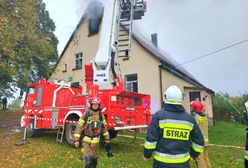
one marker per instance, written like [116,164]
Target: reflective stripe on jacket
[173,136]
[82,126]
[202,122]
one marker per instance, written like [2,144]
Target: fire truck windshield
[30,90]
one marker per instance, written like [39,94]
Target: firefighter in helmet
[202,121]
[173,134]
[91,125]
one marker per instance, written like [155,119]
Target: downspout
[212,101]
[161,85]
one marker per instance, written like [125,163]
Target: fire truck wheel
[112,133]
[69,131]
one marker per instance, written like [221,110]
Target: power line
[211,53]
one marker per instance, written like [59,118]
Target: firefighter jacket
[174,137]
[246,149]
[202,122]
[91,135]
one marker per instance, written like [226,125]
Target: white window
[131,83]
[78,60]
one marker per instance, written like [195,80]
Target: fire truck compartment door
[55,115]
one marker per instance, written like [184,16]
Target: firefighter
[173,134]
[4,102]
[246,149]
[203,160]
[92,124]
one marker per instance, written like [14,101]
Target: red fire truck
[59,104]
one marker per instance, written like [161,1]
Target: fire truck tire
[112,133]
[69,131]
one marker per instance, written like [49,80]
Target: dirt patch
[9,123]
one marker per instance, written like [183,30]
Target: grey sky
[186,29]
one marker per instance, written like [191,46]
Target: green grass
[232,134]
[45,152]
[227,133]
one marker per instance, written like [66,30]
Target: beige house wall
[141,62]
[169,79]
[80,43]
[146,66]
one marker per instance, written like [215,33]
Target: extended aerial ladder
[115,39]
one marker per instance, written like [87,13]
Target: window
[94,26]
[38,98]
[30,90]
[131,83]
[78,61]
[194,95]
[65,68]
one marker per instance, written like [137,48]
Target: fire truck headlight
[22,122]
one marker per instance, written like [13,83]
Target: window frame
[80,57]
[132,88]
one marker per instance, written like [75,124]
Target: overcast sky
[186,29]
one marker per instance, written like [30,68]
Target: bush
[230,108]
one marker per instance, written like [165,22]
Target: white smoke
[90,8]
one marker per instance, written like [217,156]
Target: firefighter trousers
[90,151]
[203,161]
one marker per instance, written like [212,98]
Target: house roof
[167,63]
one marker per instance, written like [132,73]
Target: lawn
[45,152]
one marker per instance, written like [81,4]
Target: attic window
[93,26]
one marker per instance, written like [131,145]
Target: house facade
[148,70]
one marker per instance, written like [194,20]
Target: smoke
[94,9]
[90,8]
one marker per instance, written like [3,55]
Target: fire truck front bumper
[130,127]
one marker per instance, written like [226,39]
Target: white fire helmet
[173,95]
[95,100]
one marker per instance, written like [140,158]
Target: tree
[226,106]
[27,43]
[221,106]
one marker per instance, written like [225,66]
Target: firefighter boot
[88,162]
[94,162]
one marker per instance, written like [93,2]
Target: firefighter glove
[108,150]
